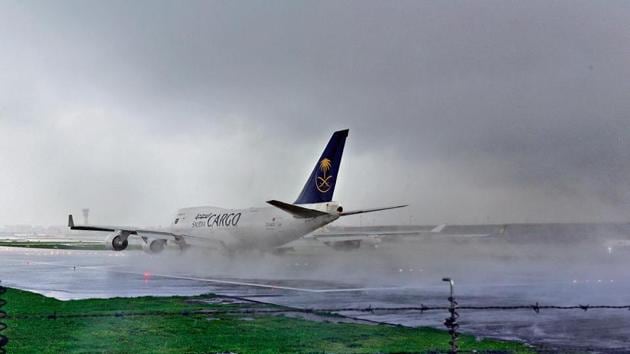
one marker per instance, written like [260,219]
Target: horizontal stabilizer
[297,211]
[361,211]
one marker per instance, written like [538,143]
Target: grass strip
[200,325]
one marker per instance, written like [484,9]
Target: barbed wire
[258,307]
[255,307]
[535,307]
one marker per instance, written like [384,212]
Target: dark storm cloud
[467,110]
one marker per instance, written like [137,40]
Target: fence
[450,322]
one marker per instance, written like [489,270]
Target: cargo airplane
[266,228]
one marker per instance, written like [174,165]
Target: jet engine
[116,242]
[153,246]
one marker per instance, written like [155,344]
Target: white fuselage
[254,228]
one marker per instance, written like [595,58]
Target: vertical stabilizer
[320,186]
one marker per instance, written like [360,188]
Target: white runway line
[258,285]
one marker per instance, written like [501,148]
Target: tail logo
[323,182]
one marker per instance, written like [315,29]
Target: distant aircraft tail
[320,186]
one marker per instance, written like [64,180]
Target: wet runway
[390,276]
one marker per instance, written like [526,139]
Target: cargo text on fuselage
[216,220]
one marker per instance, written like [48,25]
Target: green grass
[29,332]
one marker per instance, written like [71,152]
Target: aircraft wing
[127,229]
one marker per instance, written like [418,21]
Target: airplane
[261,228]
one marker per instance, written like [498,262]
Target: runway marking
[220,281]
[268,286]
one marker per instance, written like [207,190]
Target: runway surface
[390,276]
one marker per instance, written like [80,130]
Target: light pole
[86,215]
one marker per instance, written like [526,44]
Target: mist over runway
[471,112]
[395,274]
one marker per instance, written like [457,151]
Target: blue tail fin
[320,186]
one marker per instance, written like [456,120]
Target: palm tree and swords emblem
[323,182]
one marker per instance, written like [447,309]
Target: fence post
[451,321]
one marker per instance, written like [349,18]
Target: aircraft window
[176,220]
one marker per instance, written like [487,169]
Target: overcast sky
[470,111]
